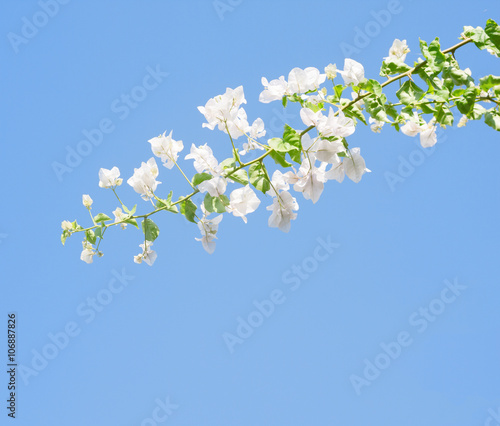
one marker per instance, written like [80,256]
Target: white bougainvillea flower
[257,130]
[166,149]
[398,51]
[208,229]
[66,225]
[215,186]
[428,137]
[242,202]
[304,80]
[273,90]
[147,255]
[311,118]
[144,179]
[355,166]
[279,182]
[336,125]
[224,111]
[309,180]
[326,151]
[463,121]
[376,126]
[86,200]
[353,72]
[204,160]
[283,208]
[119,216]
[331,71]
[413,126]
[109,178]
[337,171]
[87,253]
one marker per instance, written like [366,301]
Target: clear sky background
[158,340]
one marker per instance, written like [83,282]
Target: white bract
[66,225]
[88,253]
[204,160]
[109,178]
[119,216]
[215,186]
[353,72]
[242,202]
[336,124]
[354,165]
[283,208]
[147,255]
[398,51]
[331,71]
[208,229]
[166,148]
[86,200]
[224,111]
[144,179]
[376,126]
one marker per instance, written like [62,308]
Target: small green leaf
[372,86]
[200,177]
[240,176]
[393,67]
[279,158]
[150,230]
[466,102]
[188,209]
[64,236]
[215,204]
[99,231]
[280,145]
[284,101]
[101,217]
[489,81]
[492,119]
[258,177]
[90,236]
[477,112]
[132,222]
[409,93]
[444,115]
[493,31]
[290,136]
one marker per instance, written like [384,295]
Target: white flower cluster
[323,157]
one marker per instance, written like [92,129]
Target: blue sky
[140,345]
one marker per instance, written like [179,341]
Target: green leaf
[166,204]
[291,137]
[99,231]
[444,115]
[65,234]
[409,93]
[492,119]
[284,101]
[432,53]
[132,222]
[477,112]
[489,81]
[258,177]
[393,67]
[200,177]
[280,145]
[101,217]
[441,95]
[338,89]
[240,176]
[150,230]
[466,102]
[372,86]
[215,204]
[493,31]
[188,209]
[375,106]
[279,158]
[228,163]
[354,112]
[90,236]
